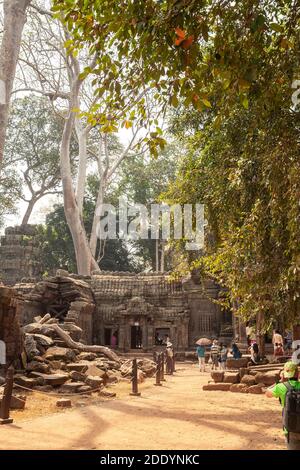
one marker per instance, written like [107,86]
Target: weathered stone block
[77,376]
[217,386]
[25,381]
[248,380]
[95,371]
[236,363]
[71,387]
[53,379]
[78,366]
[63,354]
[85,389]
[36,366]
[267,378]
[239,388]
[87,356]
[231,377]
[64,403]
[94,381]
[217,376]
[256,389]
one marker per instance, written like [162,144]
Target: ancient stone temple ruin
[128,311]
[19,254]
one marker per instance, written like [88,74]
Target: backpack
[291,410]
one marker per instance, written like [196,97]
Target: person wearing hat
[169,358]
[289,374]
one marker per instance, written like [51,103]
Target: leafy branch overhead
[181,50]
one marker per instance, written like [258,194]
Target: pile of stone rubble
[254,379]
[56,361]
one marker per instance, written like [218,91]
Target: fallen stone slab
[64,403]
[78,366]
[28,382]
[77,376]
[53,379]
[243,371]
[37,366]
[231,377]
[43,340]
[257,389]
[217,376]
[217,386]
[267,378]
[239,388]
[248,380]
[237,363]
[58,353]
[87,356]
[95,371]
[71,387]
[94,381]
[85,389]
[57,365]
[16,403]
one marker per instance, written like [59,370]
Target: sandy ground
[178,415]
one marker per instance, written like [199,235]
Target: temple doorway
[136,337]
[160,336]
[107,336]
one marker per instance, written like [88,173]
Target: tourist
[114,340]
[214,354]
[223,356]
[158,340]
[249,332]
[254,352]
[277,341]
[288,341]
[236,353]
[289,381]
[169,358]
[201,357]
[166,339]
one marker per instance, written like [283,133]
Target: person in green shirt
[279,390]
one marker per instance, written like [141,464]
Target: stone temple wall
[64,297]
[19,254]
[138,307]
[126,310]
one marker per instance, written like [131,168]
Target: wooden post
[6,399]
[162,367]
[135,392]
[158,368]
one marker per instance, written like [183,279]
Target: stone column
[150,337]
[144,334]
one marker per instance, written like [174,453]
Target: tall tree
[13,24]
[32,148]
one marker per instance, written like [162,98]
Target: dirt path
[178,415]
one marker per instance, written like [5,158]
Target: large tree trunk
[85,261]
[81,178]
[96,219]
[29,210]
[83,347]
[14,20]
